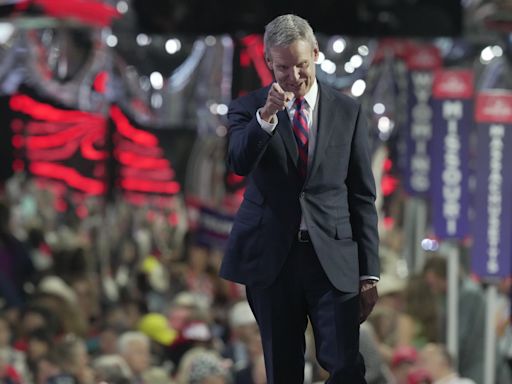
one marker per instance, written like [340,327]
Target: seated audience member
[435,359]
[111,369]
[134,348]
[243,327]
[202,366]
[402,363]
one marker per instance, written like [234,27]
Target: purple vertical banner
[453,117]
[492,229]
[422,61]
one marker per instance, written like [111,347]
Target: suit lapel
[325,126]
[284,128]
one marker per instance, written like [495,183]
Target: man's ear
[316,53]
[269,62]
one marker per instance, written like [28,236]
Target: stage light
[356,61]
[379,108]
[111,41]
[349,68]
[143,39]
[157,80]
[172,46]
[363,50]
[497,51]
[210,40]
[328,67]
[339,45]
[222,109]
[487,55]
[6,31]
[429,245]
[385,125]
[358,87]
[321,58]
[122,7]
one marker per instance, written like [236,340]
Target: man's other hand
[368,297]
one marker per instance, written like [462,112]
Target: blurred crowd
[118,294]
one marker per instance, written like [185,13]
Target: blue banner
[422,61]
[453,118]
[419,134]
[492,227]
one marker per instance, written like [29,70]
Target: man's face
[294,66]
[137,356]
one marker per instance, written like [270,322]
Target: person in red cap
[402,362]
[419,376]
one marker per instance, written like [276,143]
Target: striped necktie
[301,131]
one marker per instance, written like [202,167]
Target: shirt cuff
[267,127]
[366,277]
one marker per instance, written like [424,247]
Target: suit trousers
[301,291]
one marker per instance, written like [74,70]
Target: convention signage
[452,107]
[492,226]
[213,227]
[421,61]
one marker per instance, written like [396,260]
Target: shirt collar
[311,97]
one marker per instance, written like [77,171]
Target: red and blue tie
[301,131]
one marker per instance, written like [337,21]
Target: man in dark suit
[304,241]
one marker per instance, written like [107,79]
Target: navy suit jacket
[337,198]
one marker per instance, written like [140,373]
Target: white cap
[54,285]
[241,314]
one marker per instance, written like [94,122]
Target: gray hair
[129,337]
[111,368]
[284,30]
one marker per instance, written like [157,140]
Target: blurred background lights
[122,7]
[210,40]
[328,67]
[172,46]
[111,41]
[222,109]
[490,52]
[497,51]
[339,45]
[6,31]
[430,245]
[143,39]
[349,68]
[221,131]
[356,61]
[363,50]
[157,80]
[358,87]
[385,124]
[487,54]
[379,108]
[321,58]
